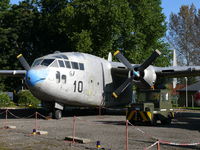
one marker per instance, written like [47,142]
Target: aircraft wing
[177,71]
[168,72]
[14,73]
[118,69]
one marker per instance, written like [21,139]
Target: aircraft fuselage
[74,79]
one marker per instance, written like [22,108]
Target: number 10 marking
[78,84]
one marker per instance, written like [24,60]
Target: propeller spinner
[135,74]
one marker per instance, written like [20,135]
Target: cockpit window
[54,64]
[74,65]
[67,64]
[61,63]
[36,62]
[81,65]
[47,62]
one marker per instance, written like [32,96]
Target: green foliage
[82,41]
[39,27]
[25,98]
[4,4]
[5,100]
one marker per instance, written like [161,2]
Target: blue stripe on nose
[35,76]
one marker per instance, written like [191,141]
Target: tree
[16,30]
[39,27]
[25,98]
[4,4]
[184,31]
[5,100]
[99,27]
[149,28]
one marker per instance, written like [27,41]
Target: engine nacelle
[147,78]
[150,75]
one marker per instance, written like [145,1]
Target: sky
[168,6]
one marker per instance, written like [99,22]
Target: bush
[26,98]
[5,100]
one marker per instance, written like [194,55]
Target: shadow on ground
[30,112]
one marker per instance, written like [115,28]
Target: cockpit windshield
[47,62]
[36,62]
[42,62]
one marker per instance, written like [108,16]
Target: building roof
[191,88]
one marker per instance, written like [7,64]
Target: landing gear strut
[54,109]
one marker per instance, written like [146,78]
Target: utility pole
[186,92]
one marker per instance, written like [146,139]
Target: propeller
[134,74]
[150,60]
[23,61]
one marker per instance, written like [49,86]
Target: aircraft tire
[154,121]
[166,121]
[58,114]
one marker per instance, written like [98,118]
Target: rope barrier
[2,112]
[151,145]
[148,135]
[158,142]
[162,141]
[179,144]
[42,116]
[17,117]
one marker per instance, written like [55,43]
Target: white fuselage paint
[81,87]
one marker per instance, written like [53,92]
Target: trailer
[151,107]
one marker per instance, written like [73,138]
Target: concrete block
[41,132]
[77,139]
[10,127]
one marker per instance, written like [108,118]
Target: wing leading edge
[13,73]
[177,71]
[169,72]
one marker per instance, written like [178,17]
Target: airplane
[80,79]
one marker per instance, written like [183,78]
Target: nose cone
[35,76]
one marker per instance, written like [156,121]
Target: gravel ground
[108,129]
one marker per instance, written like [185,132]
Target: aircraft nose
[35,76]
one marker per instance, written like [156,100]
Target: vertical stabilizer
[174,64]
[110,56]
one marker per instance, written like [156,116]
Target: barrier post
[74,124]
[158,145]
[99,110]
[126,141]
[6,119]
[36,113]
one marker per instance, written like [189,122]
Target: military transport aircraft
[79,79]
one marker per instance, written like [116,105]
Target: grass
[3,148]
[191,108]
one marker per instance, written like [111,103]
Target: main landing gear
[54,109]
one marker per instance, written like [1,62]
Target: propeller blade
[122,59]
[149,61]
[23,62]
[122,87]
